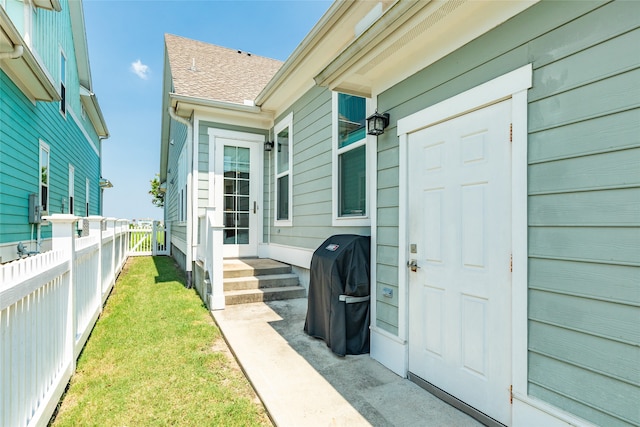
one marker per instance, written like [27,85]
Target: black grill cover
[340,266]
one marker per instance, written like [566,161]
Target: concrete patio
[302,383]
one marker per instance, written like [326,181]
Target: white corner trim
[531,412]
[495,90]
[389,350]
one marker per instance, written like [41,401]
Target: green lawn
[155,358]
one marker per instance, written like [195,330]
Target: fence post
[95,229]
[63,238]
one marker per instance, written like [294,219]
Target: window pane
[353,181]
[243,237]
[243,187]
[351,119]
[283,198]
[282,146]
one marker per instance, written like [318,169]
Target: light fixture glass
[376,123]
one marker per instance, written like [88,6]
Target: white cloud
[140,69]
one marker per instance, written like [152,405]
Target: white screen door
[237,163]
[460,224]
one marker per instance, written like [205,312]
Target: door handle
[255,207]
[413,265]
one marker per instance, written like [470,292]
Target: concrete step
[259,295]
[251,267]
[260,282]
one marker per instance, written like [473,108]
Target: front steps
[255,280]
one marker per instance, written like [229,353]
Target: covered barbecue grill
[338,308]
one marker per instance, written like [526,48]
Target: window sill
[352,221]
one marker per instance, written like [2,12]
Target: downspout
[17,52]
[190,225]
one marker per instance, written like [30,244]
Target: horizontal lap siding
[584,219]
[177,135]
[584,194]
[23,125]
[311,177]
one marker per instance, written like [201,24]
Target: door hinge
[510,132]
[511,263]
[511,394]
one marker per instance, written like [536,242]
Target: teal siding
[24,124]
[584,194]
[311,175]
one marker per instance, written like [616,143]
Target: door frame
[513,85]
[216,186]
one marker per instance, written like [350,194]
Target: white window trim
[279,127]
[44,146]
[71,197]
[181,186]
[63,81]
[87,195]
[368,141]
[513,85]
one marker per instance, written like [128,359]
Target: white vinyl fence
[49,304]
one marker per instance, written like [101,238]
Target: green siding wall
[24,124]
[584,194]
[311,175]
[203,155]
[177,135]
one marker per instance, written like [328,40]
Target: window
[44,177]
[284,157]
[63,84]
[72,178]
[350,158]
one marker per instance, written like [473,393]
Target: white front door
[460,238]
[237,167]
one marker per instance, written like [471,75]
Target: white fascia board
[225,112]
[408,40]
[334,31]
[91,106]
[25,71]
[80,43]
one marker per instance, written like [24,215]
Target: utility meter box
[35,213]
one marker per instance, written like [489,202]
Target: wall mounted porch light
[268,146]
[376,123]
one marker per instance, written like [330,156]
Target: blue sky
[126,48]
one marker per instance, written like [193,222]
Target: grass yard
[156,358]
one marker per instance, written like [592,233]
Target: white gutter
[213,103]
[17,52]
[192,212]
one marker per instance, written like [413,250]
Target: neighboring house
[503,199]
[51,126]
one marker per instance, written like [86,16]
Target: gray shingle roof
[208,71]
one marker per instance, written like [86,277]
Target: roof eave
[80,44]
[25,71]
[92,107]
[386,53]
[48,4]
[304,49]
